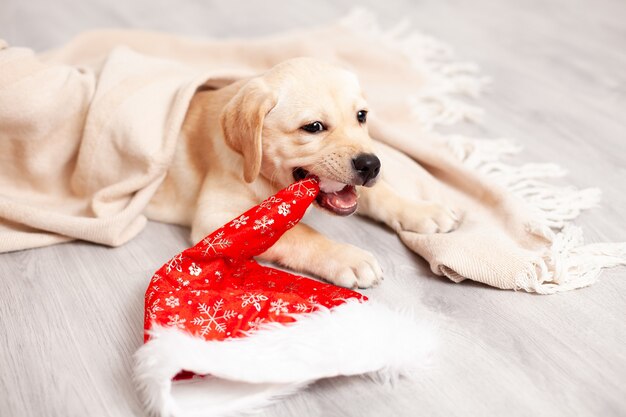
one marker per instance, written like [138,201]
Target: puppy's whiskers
[332,170]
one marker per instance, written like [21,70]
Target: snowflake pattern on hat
[215,290]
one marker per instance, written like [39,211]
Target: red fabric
[215,290]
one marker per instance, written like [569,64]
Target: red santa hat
[225,335]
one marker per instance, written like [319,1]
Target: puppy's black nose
[367,165]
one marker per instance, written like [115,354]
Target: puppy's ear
[242,123]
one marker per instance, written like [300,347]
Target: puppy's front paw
[351,267]
[427,218]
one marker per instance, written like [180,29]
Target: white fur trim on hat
[249,372]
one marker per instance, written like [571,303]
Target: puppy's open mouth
[336,197]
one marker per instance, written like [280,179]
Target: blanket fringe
[435,105]
[568,263]
[553,205]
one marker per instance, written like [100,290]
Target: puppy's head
[304,117]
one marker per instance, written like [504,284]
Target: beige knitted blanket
[87,132]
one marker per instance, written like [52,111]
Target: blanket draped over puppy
[87,133]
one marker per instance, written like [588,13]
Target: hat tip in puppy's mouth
[334,196]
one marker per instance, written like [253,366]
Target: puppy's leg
[301,249]
[383,204]
[304,249]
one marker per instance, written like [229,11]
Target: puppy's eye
[361,116]
[314,127]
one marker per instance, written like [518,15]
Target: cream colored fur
[241,142]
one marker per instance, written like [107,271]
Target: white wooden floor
[71,315]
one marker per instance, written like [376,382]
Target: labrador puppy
[244,141]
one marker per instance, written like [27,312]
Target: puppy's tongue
[342,202]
